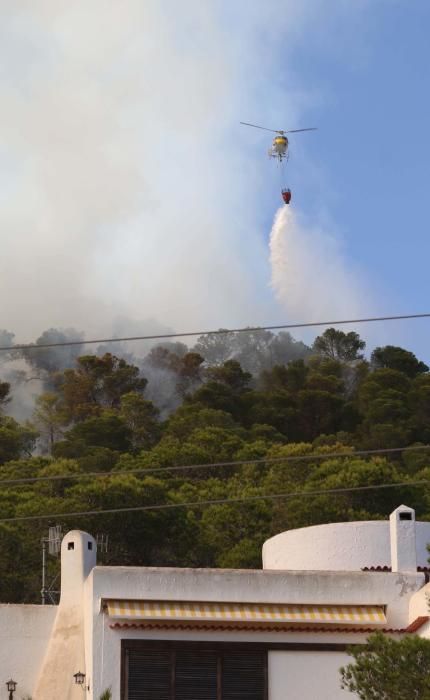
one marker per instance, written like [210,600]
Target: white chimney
[402,539]
[66,650]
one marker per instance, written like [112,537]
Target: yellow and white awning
[171,611]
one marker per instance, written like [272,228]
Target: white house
[221,634]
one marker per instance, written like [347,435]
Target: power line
[222,331]
[235,463]
[215,501]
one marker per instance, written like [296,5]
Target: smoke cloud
[127,188]
[26,385]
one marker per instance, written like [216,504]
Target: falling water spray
[310,277]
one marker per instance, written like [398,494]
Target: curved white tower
[400,543]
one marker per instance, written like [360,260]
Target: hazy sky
[128,188]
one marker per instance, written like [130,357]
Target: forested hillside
[259,399]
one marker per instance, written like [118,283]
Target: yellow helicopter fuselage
[279,147]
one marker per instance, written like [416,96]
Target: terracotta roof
[416,624]
[420,569]
[171,624]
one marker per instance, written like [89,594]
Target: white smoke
[311,277]
[127,186]
[26,386]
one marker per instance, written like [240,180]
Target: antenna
[52,546]
[54,540]
[102,541]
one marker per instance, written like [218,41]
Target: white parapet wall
[352,546]
[25,631]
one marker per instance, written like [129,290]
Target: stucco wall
[308,676]
[255,586]
[338,547]
[24,635]
[393,590]
[287,670]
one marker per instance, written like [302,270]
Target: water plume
[310,275]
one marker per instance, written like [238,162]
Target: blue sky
[374,145]
[131,192]
[366,171]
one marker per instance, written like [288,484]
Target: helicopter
[279,148]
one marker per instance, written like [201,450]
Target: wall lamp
[80,680]
[11,686]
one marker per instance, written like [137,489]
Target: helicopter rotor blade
[256,126]
[295,131]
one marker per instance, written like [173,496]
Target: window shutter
[244,675]
[192,672]
[149,674]
[196,675]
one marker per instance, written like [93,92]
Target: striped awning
[255,613]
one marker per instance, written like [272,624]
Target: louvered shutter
[149,673]
[187,672]
[196,675]
[244,675]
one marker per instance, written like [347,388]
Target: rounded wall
[338,547]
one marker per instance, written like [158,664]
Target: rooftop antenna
[102,541]
[50,545]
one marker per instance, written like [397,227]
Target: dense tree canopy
[386,669]
[236,416]
[98,383]
[337,345]
[392,357]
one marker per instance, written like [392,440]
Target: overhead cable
[214,501]
[234,463]
[221,331]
